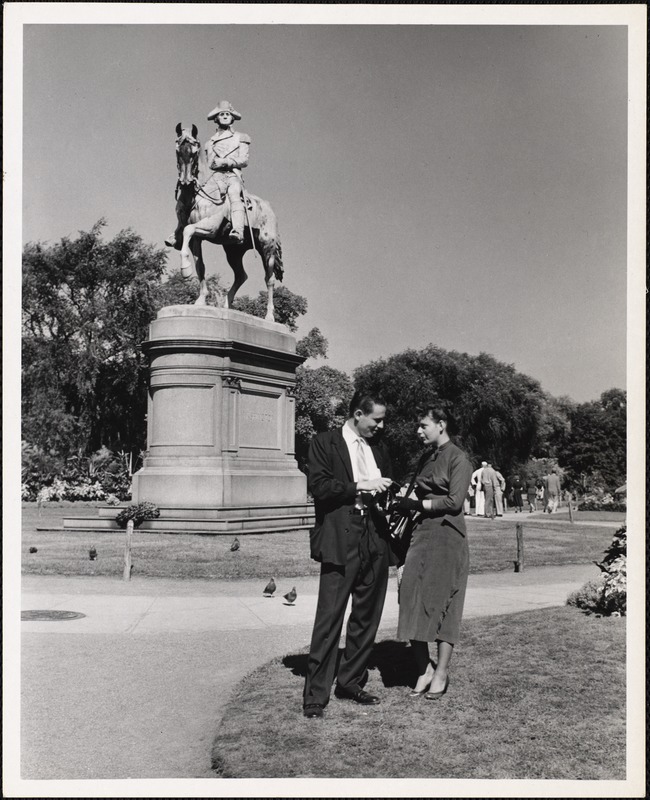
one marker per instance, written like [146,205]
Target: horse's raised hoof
[235,237]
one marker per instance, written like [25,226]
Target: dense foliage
[608,594]
[595,448]
[496,409]
[322,398]
[86,308]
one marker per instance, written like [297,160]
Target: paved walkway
[137,686]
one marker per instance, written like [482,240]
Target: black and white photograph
[324,390]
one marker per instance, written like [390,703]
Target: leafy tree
[496,409]
[554,426]
[180,291]
[87,305]
[322,398]
[288,306]
[313,345]
[595,451]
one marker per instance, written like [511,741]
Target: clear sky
[461,185]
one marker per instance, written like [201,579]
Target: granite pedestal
[220,426]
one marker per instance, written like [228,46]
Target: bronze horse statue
[203,213]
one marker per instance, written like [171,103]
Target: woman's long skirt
[434,580]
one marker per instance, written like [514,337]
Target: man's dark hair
[365,402]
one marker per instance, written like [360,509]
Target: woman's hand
[406,504]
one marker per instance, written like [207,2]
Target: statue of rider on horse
[219,209]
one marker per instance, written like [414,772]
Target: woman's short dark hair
[365,401]
[438,412]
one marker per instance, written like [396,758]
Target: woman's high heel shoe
[437,695]
[413,693]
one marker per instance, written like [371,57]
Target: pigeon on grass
[235,545]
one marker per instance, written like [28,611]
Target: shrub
[64,490]
[138,512]
[607,595]
[600,500]
[46,478]
[589,596]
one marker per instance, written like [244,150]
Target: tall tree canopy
[87,304]
[595,450]
[497,410]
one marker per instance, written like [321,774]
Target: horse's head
[187,154]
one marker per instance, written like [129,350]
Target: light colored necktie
[362,464]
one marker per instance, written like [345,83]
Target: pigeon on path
[291,596]
[270,588]
[235,545]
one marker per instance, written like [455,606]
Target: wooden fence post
[570,511]
[127,551]
[519,563]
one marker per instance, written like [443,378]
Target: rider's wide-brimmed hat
[223,105]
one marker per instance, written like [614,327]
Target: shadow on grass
[522,710]
[392,659]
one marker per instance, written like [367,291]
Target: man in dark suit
[348,468]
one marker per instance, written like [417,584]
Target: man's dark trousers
[365,576]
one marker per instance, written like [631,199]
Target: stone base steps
[227,521]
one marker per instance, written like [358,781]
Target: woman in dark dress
[432,591]
[531,494]
[517,499]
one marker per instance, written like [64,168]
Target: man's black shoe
[358,695]
[313,710]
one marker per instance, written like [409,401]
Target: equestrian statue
[218,209]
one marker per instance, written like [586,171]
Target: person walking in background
[539,497]
[490,484]
[531,494]
[432,592]
[479,497]
[517,499]
[499,491]
[545,494]
[554,490]
[347,466]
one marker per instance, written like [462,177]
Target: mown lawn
[492,546]
[535,695]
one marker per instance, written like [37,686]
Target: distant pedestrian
[531,494]
[554,491]
[479,497]
[499,492]
[517,499]
[490,484]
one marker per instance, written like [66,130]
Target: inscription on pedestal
[259,420]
